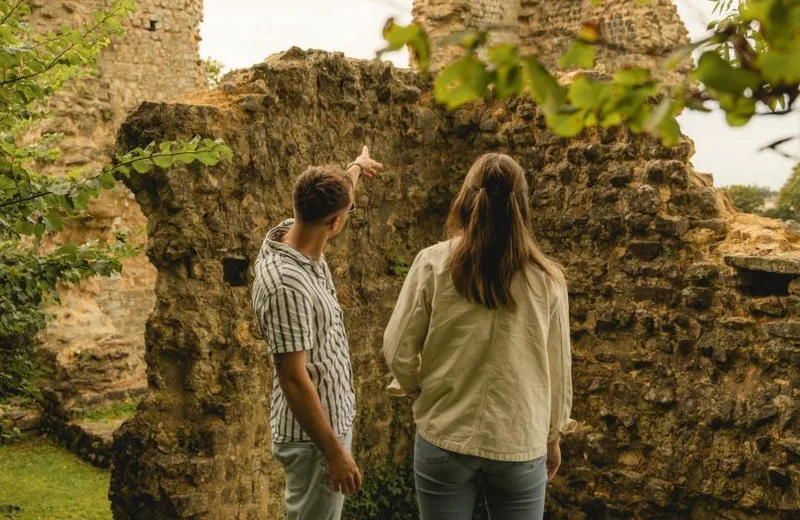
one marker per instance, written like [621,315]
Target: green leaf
[208,158]
[413,36]
[579,55]
[508,77]
[565,125]
[658,115]
[670,132]
[54,221]
[469,39]
[186,158]
[587,94]
[81,200]
[107,180]
[462,81]
[544,87]
[632,77]
[23,227]
[143,165]
[718,74]
[505,55]
[738,111]
[781,67]
[163,161]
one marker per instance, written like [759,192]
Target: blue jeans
[447,485]
[308,487]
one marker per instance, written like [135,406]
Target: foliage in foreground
[34,208]
[749,65]
[41,481]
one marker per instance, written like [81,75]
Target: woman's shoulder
[538,277]
[435,254]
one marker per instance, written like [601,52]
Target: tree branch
[96,176]
[8,15]
[60,55]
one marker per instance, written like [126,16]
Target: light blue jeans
[308,487]
[447,485]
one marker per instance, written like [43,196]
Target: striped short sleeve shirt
[297,309]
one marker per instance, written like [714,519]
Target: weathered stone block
[702,273]
[698,297]
[672,226]
[644,249]
[770,306]
[784,329]
[657,294]
[779,264]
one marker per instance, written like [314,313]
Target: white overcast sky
[243,32]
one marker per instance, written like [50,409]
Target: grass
[47,482]
[116,410]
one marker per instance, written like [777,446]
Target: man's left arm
[364,164]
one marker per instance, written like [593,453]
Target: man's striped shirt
[297,309]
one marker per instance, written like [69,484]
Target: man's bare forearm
[306,406]
[355,173]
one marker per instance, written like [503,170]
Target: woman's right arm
[560,359]
[408,327]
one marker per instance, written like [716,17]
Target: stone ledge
[769,264]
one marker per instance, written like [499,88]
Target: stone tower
[633,33]
[96,343]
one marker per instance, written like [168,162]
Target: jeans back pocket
[430,453]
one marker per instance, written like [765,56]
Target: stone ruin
[685,313]
[95,346]
[632,33]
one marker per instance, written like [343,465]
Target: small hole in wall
[153,25]
[234,271]
[761,283]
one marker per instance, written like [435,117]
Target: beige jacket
[494,383]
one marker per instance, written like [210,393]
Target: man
[295,303]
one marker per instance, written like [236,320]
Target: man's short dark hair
[321,192]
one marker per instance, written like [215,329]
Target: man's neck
[307,240]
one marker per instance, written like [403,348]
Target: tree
[748,66]
[213,69]
[34,207]
[749,199]
[788,207]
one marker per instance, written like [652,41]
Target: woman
[480,333]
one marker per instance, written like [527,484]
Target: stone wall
[96,343]
[633,33]
[685,315]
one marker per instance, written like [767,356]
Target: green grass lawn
[47,482]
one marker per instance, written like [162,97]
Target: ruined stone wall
[685,315]
[633,33]
[443,18]
[96,343]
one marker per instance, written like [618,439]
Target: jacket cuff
[568,426]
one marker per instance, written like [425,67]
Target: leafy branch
[207,151]
[748,66]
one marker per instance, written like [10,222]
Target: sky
[240,33]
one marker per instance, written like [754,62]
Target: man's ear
[334,224]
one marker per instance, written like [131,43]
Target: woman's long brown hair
[490,217]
